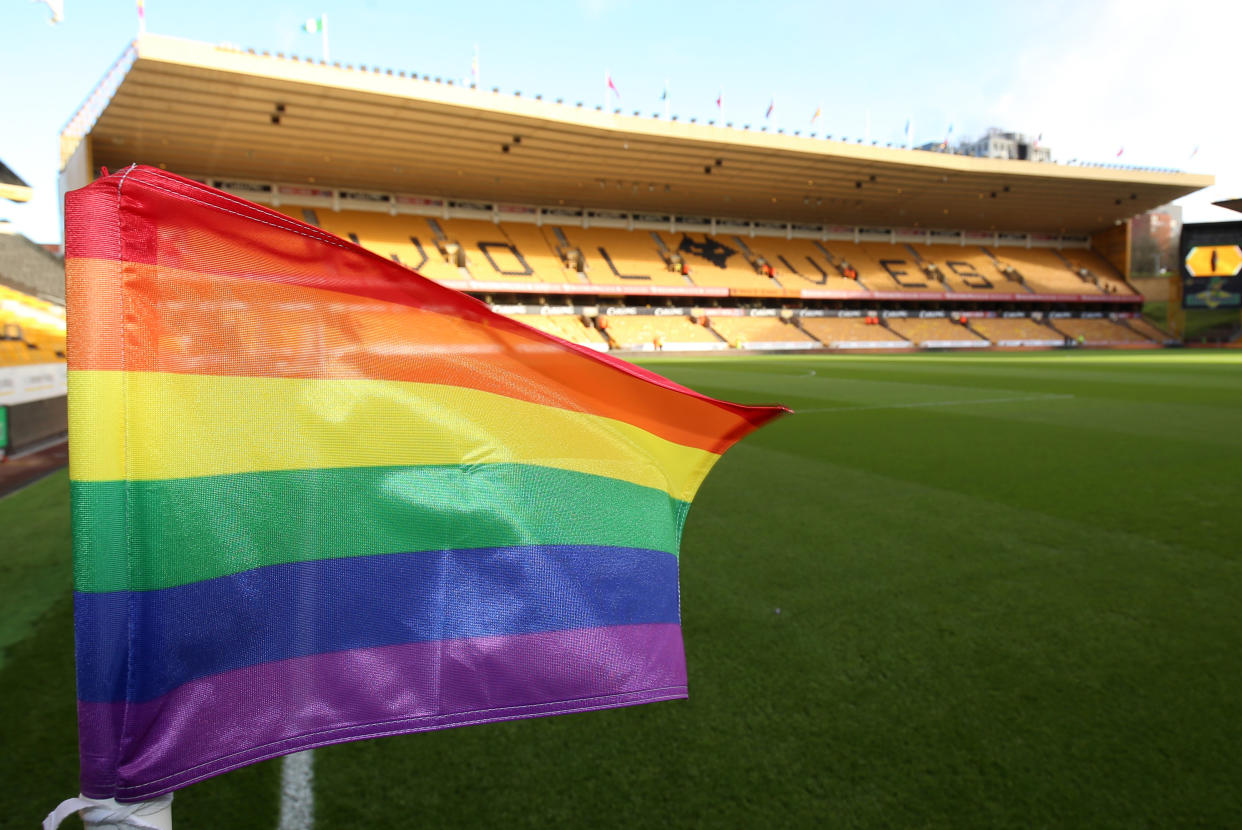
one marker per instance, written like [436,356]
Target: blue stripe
[304,608]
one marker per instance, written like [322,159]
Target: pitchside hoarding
[1211,261]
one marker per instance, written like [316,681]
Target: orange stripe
[184,322]
[93,313]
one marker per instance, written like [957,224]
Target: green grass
[1200,322]
[36,567]
[994,590]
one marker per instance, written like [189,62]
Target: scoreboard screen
[1211,261]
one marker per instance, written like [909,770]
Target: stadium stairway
[1015,332]
[762,333]
[801,263]
[1011,277]
[851,332]
[1099,332]
[1100,272]
[651,332]
[936,332]
[1149,330]
[969,325]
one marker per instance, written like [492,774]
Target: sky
[1152,80]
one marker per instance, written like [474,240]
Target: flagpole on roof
[320,25]
[57,8]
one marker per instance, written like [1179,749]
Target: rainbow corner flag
[319,498]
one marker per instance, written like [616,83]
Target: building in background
[998,144]
[1153,240]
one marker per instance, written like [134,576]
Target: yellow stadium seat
[851,332]
[33,329]
[1045,272]
[1100,268]
[1099,332]
[528,253]
[642,331]
[565,326]
[491,255]
[743,332]
[933,331]
[533,243]
[405,239]
[966,268]
[1016,331]
[620,257]
[800,263]
[715,261]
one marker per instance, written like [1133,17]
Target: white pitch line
[920,404]
[297,791]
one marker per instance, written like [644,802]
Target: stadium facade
[32,346]
[640,231]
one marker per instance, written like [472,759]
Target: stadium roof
[31,268]
[12,187]
[218,111]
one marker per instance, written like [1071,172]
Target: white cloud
[1149,77]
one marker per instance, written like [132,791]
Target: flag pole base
[110,814]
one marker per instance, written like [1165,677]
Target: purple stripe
[219,723]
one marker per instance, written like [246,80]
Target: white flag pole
[109,814]
[323,31]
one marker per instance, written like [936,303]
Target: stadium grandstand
[635,232]
[32,346]
[12,186]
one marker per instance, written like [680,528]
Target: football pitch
[967,590]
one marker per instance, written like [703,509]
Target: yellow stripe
[182,426]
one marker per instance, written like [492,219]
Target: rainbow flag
[318,498]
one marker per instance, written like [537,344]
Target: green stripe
[186,530]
